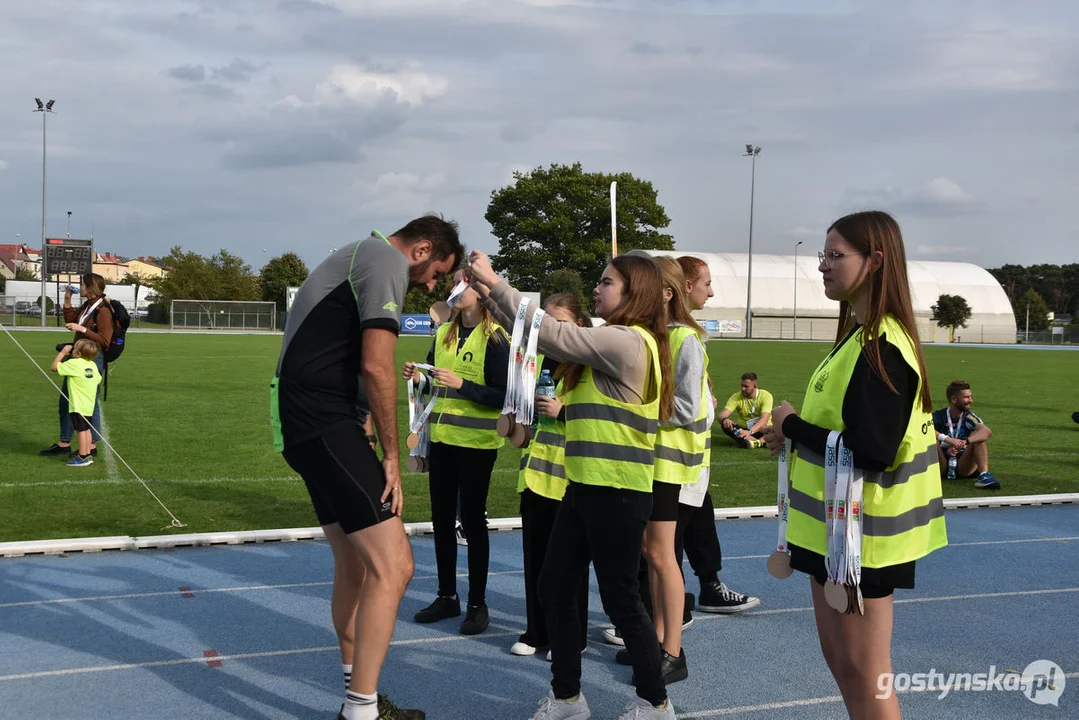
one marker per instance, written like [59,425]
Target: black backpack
[121,321]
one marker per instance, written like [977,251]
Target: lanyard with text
[419,438]
[953,430]
[526,392]
[88,312]
[516,360]
[779,562]
[843,488]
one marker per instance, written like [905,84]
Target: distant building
[146,267]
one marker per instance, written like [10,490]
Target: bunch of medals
[421,401]
[843,487]
[518,410]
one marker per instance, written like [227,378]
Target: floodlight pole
[44,109]
[796,288]
[751,152]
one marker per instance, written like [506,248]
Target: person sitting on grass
[752,408]
[959,430]
[82,377]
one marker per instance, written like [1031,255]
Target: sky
[264,126]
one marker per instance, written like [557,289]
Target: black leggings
[465,473]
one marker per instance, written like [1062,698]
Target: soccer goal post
[223,315]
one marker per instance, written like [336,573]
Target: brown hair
[678,307]
[888,286]
[643,305]
[750,376]
[956,387]
[85,348]
[94,283]
[491,329]
[691,267]
[570,302]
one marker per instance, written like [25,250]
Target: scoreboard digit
[68,256]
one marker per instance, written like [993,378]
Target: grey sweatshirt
[617,354]
[688,371]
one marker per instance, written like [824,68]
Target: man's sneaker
[461,539]
[986,481]
[440,609]
[522,649]
[388,710]
[80,461]
[476,620]
[93,453]
[55,449]
[716,597]
[673,669]
[552,709]
[611,636]
[641,709]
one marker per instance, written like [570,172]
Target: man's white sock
[347,670]
[360,707]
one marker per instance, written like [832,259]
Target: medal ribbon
[783,496]
[526,392]
[516,359]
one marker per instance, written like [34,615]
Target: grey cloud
[516,132]
[238,70]
[213,91]
[645,48]
[194,73]
[307,7]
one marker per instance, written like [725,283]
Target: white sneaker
[461,539]
[551,709]
[611,637]
[522,649]
[641,709]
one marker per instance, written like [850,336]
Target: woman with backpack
[92,320]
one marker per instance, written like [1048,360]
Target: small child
[81,386]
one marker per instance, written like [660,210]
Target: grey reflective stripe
[545,437]
[679,456]
[524,461]
[884,479]
[698,426]
[875,525]
[547,468]
[451,394]
[608,451]
[609,413]
[472,423]
[708,443]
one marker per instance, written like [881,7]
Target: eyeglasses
[828,259]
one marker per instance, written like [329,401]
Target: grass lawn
[189,413]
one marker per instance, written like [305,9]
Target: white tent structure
[776,279]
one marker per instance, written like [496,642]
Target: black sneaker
[673,669]
[93,452]
[388,710]
[476,620]
[440,609]
[716,597]
[56,449]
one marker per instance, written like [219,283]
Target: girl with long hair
[873,389]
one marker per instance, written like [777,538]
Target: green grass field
[190,414]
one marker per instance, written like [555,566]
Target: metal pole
[43,303]
[749,276]
[1026,339]
[796,288]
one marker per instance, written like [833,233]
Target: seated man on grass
[962,439]
[747,413]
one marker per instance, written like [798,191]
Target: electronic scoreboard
[68,256]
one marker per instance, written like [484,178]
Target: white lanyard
[88,312]
[455,295]
[831,507]
[526,391]
[843,487]
[779,562]
[416,420]
[516,359]
[953,430]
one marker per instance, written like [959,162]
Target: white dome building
[776,279]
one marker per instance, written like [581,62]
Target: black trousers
[537,520]
[696,533]
[465,474]
[604,525]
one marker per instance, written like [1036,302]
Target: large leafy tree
[560,217]
[278,275]
[222,276]
[565,280]
[951,311]
[1039,311]
[419,301]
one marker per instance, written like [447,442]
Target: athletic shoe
[641,709]
[440,609]
[716,597]
[93,452]
[476,620]
[611,636]
[461,539]
[80,461]
[673,669]
[986,481]
[522,649]
[549,654]
[388,710]
[1075,416]
[552,709]
[55,449]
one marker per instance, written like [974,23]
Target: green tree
[279,274]
[565,280]
[191,276]
[559,217]
[1039,311]
[419,301]
[951,311]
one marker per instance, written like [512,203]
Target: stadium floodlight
[751,152]
[44,109]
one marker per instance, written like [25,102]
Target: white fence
[223,315]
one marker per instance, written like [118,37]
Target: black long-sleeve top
[493,393]
[875,416]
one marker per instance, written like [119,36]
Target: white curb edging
[244,537]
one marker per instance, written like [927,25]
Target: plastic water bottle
[545,388]
[953,463]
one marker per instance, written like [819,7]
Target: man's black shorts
[344,478]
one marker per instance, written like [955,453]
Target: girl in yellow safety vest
[873,388]
[618,388]
[542,483]
[470,355]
